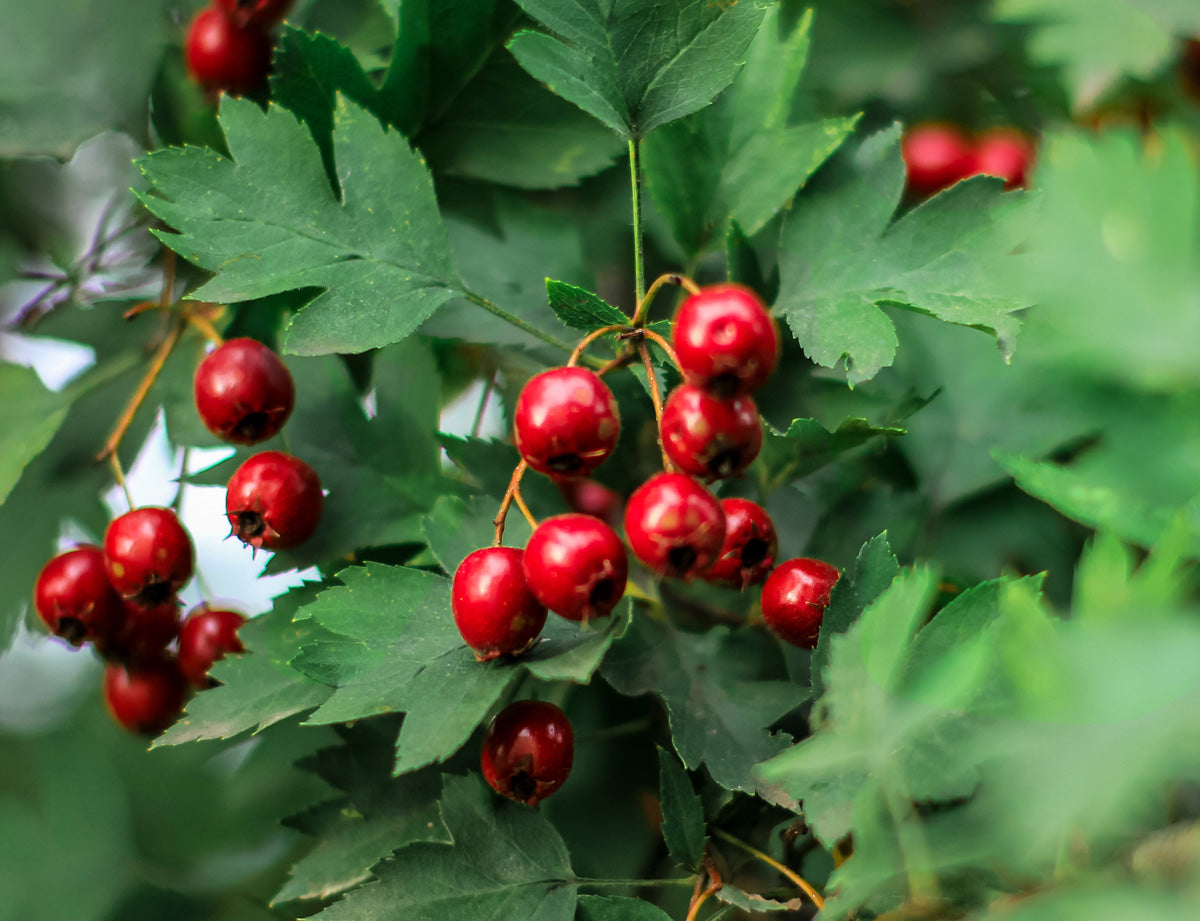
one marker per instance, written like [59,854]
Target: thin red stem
[514,486]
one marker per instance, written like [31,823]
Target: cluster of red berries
[123,598]
[228,45]
[566,423]
[937,155]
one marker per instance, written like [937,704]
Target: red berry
[589,497]
[148,555]
[566,422]
[274,501]
[221,55]
[244,393]
[576,566]
[494,609]
[794,598]
[141,633]
[935,157]
[750,546]
[1006,153]
[261,13]
[73,595]
[146,698]
[708,437]
[674,525]
[206,636]
[726,340]
[528,750]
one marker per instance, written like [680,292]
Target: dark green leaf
[807,446]
[637,64]
[683,813]
[580,309]
[617,908]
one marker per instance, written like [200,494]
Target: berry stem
[656,398]
[662,344]
[514,486]
[516,321]
[589,339]
[703,897]
[139,395]
[520,500]
[791,874]
[119,476]
[206,328]
[639,253]
[671,278]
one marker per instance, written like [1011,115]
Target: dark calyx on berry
[494,609]
[148,555]
[528,750]
[674,525]
[576,566]
[274,501]
[710,437]
[244,393]
[566,422]
[73,596]
[748,552]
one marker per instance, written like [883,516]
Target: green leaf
[749,901]
[506,861]
[740,159]
[637,64]
[29,418]
[267,222]
[683,813]
[580,309]
[807,446]
[618,908]
[717,692]
[567,651]
[841,260]
[1098,43]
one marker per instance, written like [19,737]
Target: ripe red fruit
[576,566]
[708,437]
[244,392]
[140,634]
[935,157]
[589,497]
[566,422]
[1006,153]
[146,698]
[148,555]
[726,340]
[261,13]
[675,525]
[794,598]
[206,636]
[73,596]
[274,501]
[528,750]
[221,55]
[750,546]
[494,609]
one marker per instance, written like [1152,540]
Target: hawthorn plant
[820,538]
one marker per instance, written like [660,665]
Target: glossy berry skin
[494,610]
[244,392]
[794,598]
[207,634]
[528,749]
[674,525]
[142,633]
[260,13]
[576,566]
[750,546]
[726,340]
[221,55]
[73,596]
[708,437]
[1006,153]
[146,698]
[566,422]
[274,501]
[148,555]
[588,497]
[935,157]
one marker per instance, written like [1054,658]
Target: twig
[119,475]
[589,339]
[139,395]
[513,486]
[656,397]
[662,344]
[791,874]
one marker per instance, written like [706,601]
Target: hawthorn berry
[145,698]
[566,422]
[528,749]
[148,555]
[576,566]
[935,157]
[260,13]
[726,340]
[223,55]
[674,525]
[708,437]
[73,595]
[750,546]
[141,633]
[1006,153]
[589,497]
[274,501]
[794,599]
[244,392]
[494,609]
[207,634]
